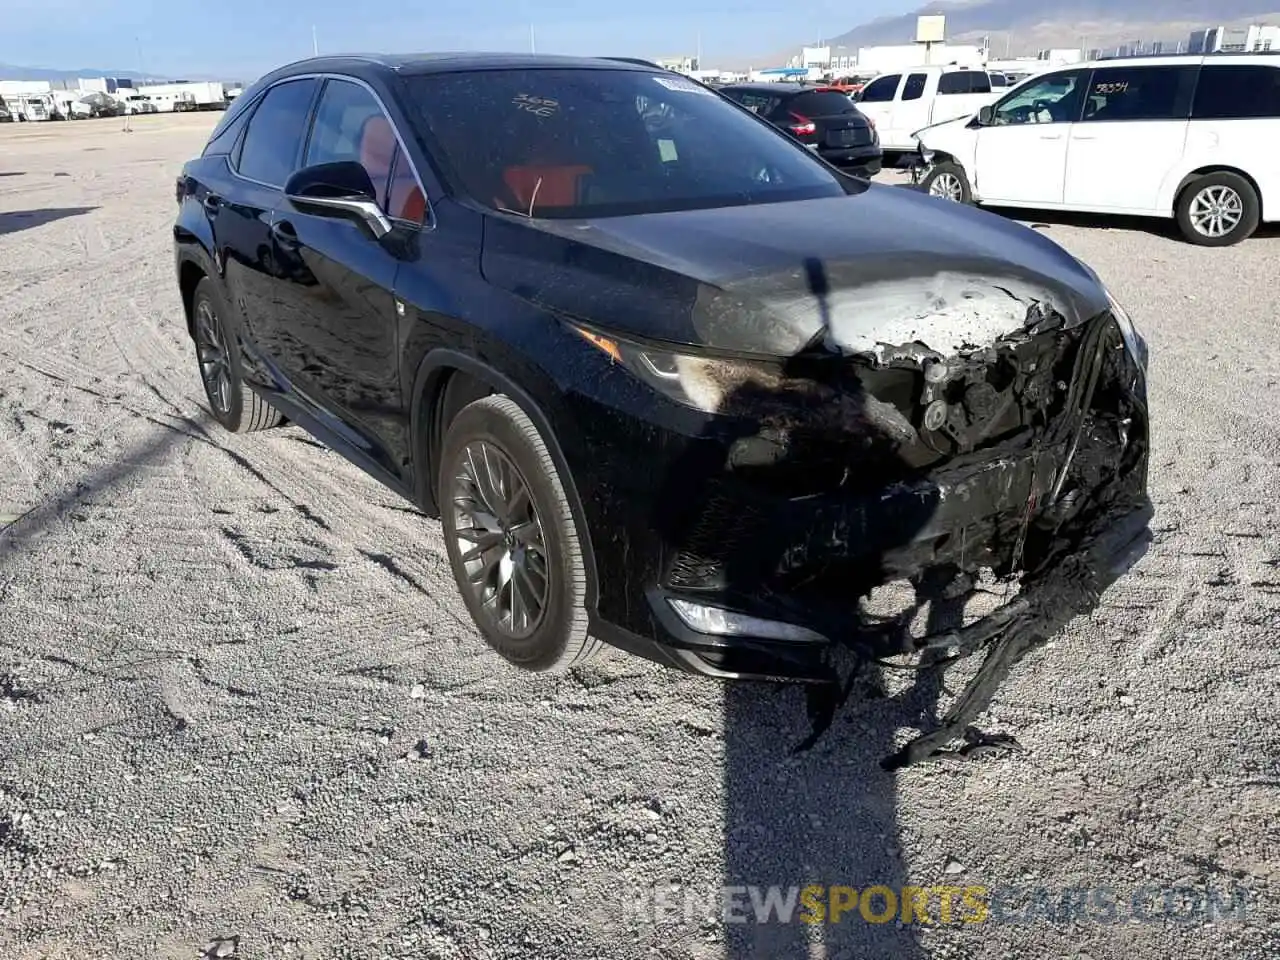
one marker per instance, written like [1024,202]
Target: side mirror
[340,189]
[986,116]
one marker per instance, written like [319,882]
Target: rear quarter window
[759,103]
[225,134]
[822,104]
[1237,92]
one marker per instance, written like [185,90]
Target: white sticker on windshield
[682,85]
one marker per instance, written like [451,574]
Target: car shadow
[1156,226]
[824,822]
[811,828]
[17,220]
[1091,221]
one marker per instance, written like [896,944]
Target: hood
[884,268]
[945,125]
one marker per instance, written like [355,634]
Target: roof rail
[1171,56]
[636,60]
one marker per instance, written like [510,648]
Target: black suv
[824,119]
[668,380]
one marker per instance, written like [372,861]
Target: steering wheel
[1044,106]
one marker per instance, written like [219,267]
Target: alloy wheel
[947,186]
[1216,211]
[215,361]
[500,540]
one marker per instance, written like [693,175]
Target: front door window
[1052,99]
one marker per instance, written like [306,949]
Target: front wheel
[1218,210]
[511,537]
[947,181]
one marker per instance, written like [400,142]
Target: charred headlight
[1133,340]
[701,382]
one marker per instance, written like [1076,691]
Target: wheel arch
[1207,169]
[190,274]
[446,380]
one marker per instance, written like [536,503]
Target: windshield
[573,143]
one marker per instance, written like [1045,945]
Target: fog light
[719,622]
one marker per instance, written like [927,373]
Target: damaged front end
[1015,465]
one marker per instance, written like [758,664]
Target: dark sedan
[824,119]
[668,381]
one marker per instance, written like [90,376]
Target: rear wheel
[947,181]
[233,404]
[1218,210]
[512,541]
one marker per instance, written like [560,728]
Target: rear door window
[880,90]
[758,103]
[1234,92]
[273,140]
[913,89]
[964,81]
[822,103]
[1139,93]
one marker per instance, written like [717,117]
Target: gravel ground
[242,710]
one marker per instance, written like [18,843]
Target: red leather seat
[559,184]
[377,150]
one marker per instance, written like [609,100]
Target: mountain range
[1025,26]
[9,71]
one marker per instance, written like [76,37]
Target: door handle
[1050,136]
[1084,136]
[285,235]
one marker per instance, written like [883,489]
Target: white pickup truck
[904,102]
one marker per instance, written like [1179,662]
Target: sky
[239,39]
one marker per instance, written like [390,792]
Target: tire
[947,181]
[235,406]
[493,437]
[1228,193]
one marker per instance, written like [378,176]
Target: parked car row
[1193,138]
[902,103]
[824,119]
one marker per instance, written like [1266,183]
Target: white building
[679,64]
[815,58]
[872,60]
[1060,57]
[1255,38]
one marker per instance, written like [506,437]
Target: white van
[901,103]
[1193,137]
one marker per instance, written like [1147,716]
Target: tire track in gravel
[103,275]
